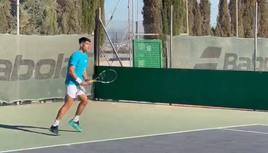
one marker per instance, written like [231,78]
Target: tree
[88,13]
[31,16]
[102,34]
[248,17]
[152,17]
[5,16]
[205,14]
[49,24]
[191,16]
[197,29]
[98,29]
[71,18]
[263,18]
[232,10]
[78,16]
[223,27]
[194,17]
[241,8]
[179,16]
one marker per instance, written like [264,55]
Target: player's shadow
[27,128]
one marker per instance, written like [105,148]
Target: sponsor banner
[34,67]
[219,53]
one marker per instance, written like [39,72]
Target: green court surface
[26,126]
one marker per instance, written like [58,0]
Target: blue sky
[214,11]
[121,13]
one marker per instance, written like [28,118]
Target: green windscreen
[147,53]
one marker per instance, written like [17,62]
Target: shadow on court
[30,129]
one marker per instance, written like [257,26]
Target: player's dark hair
[83,39]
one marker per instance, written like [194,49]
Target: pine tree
[102,34]
[92,23]
[78,16]
[166,16]
[263,18]
[71,19]
[49,24]
[88,13]
[179,16]
[205,14]
[232,10]
[5,16]
[50,16]
[223,27]
[248,17]
[197,29]
[31,16]
[152,17]
[241,8]
[60,11]
[191,16]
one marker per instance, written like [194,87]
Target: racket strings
[107,76]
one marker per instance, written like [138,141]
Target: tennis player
[75,78]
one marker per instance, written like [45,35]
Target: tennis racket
[105,77]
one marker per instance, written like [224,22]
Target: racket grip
[83,89]
[92,81]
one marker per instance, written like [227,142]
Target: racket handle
[92,81]
[83,89]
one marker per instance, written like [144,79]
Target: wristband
[78,80]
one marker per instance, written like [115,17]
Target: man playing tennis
[75,78]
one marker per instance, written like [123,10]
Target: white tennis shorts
[73,91]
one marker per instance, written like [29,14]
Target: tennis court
[130,127]
[208,58]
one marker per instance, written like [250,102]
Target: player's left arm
[87,79]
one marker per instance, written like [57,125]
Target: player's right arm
[74,59]
[73,75]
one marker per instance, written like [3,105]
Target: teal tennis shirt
[80,61]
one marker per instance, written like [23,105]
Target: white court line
[246,131]
[263,124]
[132,137]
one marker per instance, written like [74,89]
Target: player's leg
[82,105]
[68,102]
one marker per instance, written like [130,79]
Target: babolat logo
[25,69]
[230,61]
[209,53]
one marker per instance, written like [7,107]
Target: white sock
[76,118]
[56,123]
